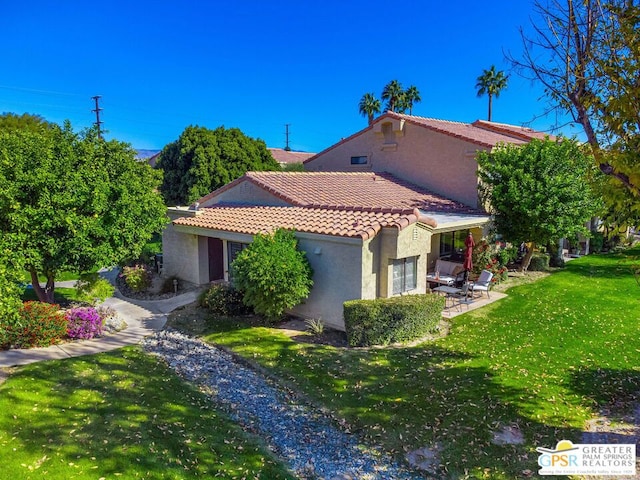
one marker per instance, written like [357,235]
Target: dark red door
[216,261]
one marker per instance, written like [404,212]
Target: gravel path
[309,443]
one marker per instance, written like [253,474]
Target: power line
[96,98]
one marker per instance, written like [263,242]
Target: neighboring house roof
[336,222]
[357,190]
[283,156]
[483,133]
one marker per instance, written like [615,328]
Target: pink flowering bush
[83,322]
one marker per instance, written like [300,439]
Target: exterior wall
[337,277]
[246,193]
[438,162]
[413,241]
[183,256]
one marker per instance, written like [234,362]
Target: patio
[478,302]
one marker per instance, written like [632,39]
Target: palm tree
[392,93]
[411,96]
[369,106]
[491,83]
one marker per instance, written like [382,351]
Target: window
[452,243]
[233,249]
[404,274]
[362,160]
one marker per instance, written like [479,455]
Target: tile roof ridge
[432,119]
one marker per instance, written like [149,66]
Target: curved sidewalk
[142,317]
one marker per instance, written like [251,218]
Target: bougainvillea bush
[490,257]
[83,322]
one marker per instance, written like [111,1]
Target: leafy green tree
[26,121]
[10,289]
[369,106]
[72,202]
[412,96]
[491,83]
[394,95]
[273,273]
[537,193]
[586,55]
[202,160]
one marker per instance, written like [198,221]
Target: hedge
[388,320]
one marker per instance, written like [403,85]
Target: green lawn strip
[60,277]
[62,295]
[545,359]
[121,414]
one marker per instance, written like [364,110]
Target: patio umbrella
[468,262]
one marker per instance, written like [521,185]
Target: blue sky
[257,65]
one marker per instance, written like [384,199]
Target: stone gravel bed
[310,443]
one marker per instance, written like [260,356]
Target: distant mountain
[144,154]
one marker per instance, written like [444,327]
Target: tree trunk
[490,101]
[46,293]
[527,258]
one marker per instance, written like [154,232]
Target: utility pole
[97,110]
[287,147]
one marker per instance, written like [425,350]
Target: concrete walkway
[142,317]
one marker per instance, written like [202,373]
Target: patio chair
[483,284]
[465,294]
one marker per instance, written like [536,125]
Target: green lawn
[62,295]
[545,359]
[119,415]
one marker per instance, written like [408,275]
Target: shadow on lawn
[119,413]
[615,390]
[404,399]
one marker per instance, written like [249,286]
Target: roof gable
[481,132]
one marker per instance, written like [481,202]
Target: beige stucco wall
[246,193]
[184,256]
[337,277]
[440,163]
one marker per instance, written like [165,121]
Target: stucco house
[438,155]
[373,213]
[365,234]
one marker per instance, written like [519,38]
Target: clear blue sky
[256,65]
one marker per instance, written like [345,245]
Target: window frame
[408,283]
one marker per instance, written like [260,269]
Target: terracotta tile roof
[357,190]
[283,156]
[466,131]
[336,222]
[482,133]
[524,133]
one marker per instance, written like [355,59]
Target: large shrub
[91,288]
[224,300]
[137,277]
[388,320]
[494,258]
[273,273]
[39,325]
[83,322]
[539,262]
